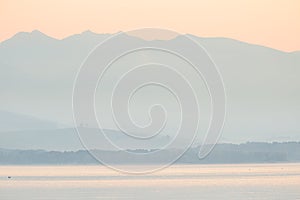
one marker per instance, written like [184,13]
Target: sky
[272,23]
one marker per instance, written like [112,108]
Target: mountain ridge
[36,33]
[262,84]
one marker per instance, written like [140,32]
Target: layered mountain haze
[67,139]
[38,73]
[11,122]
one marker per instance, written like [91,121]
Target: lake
[234,182]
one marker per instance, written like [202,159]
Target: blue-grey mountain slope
[262,84]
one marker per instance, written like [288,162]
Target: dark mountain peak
[86,36]
[35,34]
[29,38]
[88,32]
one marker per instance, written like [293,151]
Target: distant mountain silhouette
[19,122]
[67,139]
[262,84]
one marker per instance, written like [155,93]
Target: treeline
[251,152]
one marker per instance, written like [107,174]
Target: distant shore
[251,152]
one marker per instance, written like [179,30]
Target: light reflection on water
[247,181]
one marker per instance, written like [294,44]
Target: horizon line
[92,32]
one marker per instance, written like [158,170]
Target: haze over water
[244,181]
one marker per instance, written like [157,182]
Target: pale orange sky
[272,23]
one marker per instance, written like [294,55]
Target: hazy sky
[273,23]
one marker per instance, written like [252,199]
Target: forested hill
[223,153]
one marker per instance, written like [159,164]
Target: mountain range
[38,72]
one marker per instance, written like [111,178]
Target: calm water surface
[248,181]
